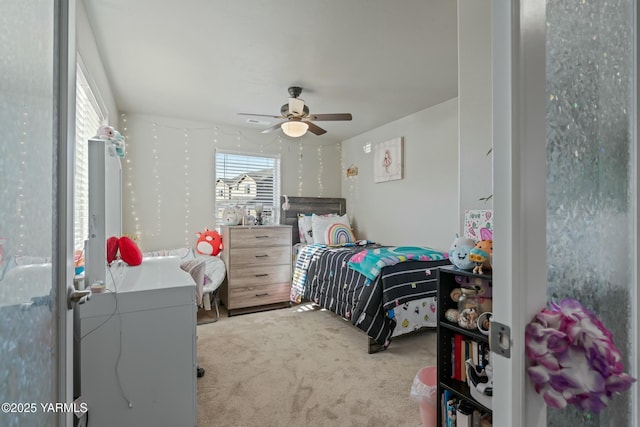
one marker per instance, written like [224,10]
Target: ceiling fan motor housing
[289,110]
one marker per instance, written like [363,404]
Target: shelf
[455,270]
[461,390]
[449,279]
[475,335]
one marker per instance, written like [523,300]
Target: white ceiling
[208,60]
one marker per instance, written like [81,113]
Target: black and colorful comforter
[323,276]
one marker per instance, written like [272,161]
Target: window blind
[89,117]
[244,180]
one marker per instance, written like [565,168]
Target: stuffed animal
[481,255]
[118,142]
[128,249]
[209,242]
[459,253]
[110,134]
[232,215]
[106,132]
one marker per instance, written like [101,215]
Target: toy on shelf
[481,256]
[109,133]
[460,251]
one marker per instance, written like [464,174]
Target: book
[464,414]
[457,357]
[476,417]
[451,409]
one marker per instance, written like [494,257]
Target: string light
[300,170]
[156,175]
[132,193]
[320,171]
[20,200]
[187,184]
[241,141]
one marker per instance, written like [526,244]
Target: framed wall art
[387,160]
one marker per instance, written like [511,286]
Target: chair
[210,295]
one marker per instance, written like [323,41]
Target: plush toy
[209,242]
[481,255]
[78,261]
[232,215]
[459,253]
[118,142]
[106,132]
[128,249]
[468,318]
[110,134]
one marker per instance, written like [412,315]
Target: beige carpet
[305,367]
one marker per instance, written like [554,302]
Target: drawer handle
[263,295]
[262,237]
[262,275]
[262,256]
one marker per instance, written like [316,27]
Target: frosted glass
[27,157]
[589,209]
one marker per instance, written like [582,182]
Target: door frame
[519,179]
[64,134]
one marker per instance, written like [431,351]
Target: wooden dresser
[258,260]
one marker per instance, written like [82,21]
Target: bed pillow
[305,231]
[304,228]
[339,234]
[319,225]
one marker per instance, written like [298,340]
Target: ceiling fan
[297,119]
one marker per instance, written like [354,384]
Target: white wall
[168,178]
[421,209]
[475,104]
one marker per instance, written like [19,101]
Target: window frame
[84,82]
[270,208]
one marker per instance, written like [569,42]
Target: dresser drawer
[246,257]
[260,237]
[258,295]
[259,275]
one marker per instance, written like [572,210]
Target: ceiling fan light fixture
[294,129]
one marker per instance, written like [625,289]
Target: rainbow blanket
[370,262]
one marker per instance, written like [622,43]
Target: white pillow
[304,228]
[319,225]
[305,232]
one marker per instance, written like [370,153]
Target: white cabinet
[138,347]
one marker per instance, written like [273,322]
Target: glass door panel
[590,208]
[28,316]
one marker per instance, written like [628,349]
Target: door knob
[77,297]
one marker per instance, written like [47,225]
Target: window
[246,179]
[89,117]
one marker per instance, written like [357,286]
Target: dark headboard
[309,205]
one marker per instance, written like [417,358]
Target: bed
[398,299]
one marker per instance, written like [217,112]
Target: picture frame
[388,160]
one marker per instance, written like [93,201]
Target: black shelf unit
[446,331]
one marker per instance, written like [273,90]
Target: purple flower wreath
[574,360]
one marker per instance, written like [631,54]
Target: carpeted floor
[305,367]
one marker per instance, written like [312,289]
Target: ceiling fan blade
[315,129]
[272,128]
[330,117]
[261,115]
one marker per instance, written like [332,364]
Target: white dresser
[258,260]
[138,351]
